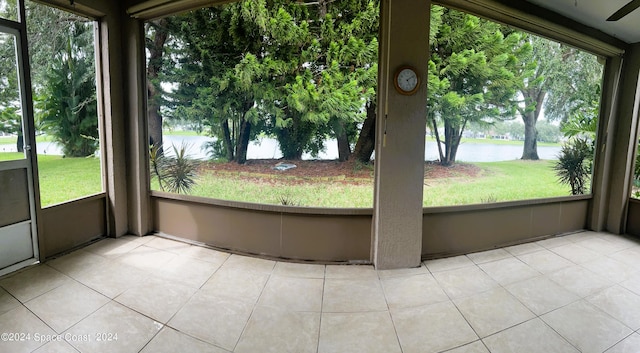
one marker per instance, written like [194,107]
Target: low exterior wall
[65,226]
[344,235]
[296,233]
[463,229]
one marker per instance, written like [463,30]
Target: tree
[157,33]
[472,76]
[10,112]
[67,102]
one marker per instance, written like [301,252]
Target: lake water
[268,148]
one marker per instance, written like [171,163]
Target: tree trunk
[154,93]
[367,139]
[530,151]
[243,142]
[530,118]
[339,130]
[438,142]
[20,142]
[228,144]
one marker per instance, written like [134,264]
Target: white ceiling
[594,13]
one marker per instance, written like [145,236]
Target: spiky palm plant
[571,167]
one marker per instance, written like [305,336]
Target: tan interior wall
[633,218]
[71,224]
[267,232]
[450,232]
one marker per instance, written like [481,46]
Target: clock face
[407,80]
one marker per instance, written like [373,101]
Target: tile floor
[577,293]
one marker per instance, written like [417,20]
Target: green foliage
[67,103]
[571,167]
[472,75]
[176,174]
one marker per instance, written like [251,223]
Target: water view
[268,148]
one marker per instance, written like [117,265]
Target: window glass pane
[511,116]
[276,99]
[9,10]
[11,136]
[61,48]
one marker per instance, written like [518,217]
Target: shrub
[572,167]
[175,174]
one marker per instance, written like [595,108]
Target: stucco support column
[137,136]
[400,136]
[622,134]
[110,86]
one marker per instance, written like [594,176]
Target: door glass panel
[11,136]
[9,10]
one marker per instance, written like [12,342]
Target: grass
[497,182]
[64,179]
[8,140]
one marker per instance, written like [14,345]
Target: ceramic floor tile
[138,239]
[77,262]
[602,246]
[533,336]
[448,263]
[611,269]
[410,291]
[216,320]
[357,332]
[431,328]
[628,345]
[402,272]
[620,303]
[66,305]
[114,328]
[146,258]
[508,271]
[580,281]
[293,294]
[167,244]
[26,325]
[576,253]
[633,283]
[204,254]
[56,347]
[475,347]
[586,327]
[7,301]
[541,295]
[186,270]
[353,295]
[630,256]
[350,271]
[624,241]
[522,249]
[112,279]
[464,281]
[172,341]
[545,261]
[279,331]
[288,269]
[236,284]
[249,264]
[28,284]
[157,298]
[493,311]
[553,242]
[111,247]
[489,255]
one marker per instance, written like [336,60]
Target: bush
[175,174]
[572,166]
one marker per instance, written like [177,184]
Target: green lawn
[497,181]
[64,179]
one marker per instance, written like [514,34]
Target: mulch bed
[325,170]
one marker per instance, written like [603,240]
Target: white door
[18,237]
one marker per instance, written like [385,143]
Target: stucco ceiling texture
[594,13]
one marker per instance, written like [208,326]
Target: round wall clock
[406,80]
